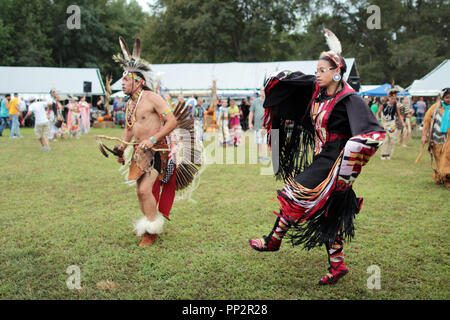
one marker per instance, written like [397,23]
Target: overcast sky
[144,5]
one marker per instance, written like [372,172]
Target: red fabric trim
[267,123]
[335,136]
[270,85]
[168,195]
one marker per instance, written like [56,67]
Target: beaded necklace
[131,111]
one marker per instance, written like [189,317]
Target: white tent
[433,82]
[118,94]
[231,78]
[39,80]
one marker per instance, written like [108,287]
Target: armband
[165,113]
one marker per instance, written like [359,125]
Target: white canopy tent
[233,78]
[433,82]
[37,81]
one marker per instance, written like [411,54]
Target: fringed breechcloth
[165,185]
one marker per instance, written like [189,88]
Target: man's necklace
[131,113]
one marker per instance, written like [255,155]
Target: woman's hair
[445,92]
[333,64]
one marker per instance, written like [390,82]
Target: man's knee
[144,193]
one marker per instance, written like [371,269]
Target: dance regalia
[235,125]
[436,125]
[85,117]
[319,144]
[175,157]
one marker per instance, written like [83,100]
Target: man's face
[261,92]
[200,101]
[129,85]
[392,99]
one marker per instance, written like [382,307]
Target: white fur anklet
[143,225]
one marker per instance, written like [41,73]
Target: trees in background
[413,37]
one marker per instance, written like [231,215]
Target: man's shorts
[261,136]
[42,130]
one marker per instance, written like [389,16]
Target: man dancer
[436,130]
[149,121]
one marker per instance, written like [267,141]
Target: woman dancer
[324,133]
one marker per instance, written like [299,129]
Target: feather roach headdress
[132,63]
[335,52]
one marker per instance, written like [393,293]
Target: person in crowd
[436,132]
[41,122]
[222,123]
[374,106]
[255,122]
[204,105]
[4,114]
[119,113]
[115,102]
[101,103]
[14,116]
[421,109]
[58,124]
[85,116]
[388,114]
[22,111]
[74,117]
[199,119]
[234,115]
[245,109]
[404,134]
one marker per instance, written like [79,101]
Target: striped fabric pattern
[357,152]
[299,203]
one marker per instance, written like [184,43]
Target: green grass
[69,207]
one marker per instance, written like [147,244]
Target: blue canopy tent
[382,91]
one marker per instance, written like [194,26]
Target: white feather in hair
[333,42]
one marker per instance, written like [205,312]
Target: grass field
[69,207]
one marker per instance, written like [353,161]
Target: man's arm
[250,117]
[426,123]
[170,122]
[380,109]
[399,115]
[26,116]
